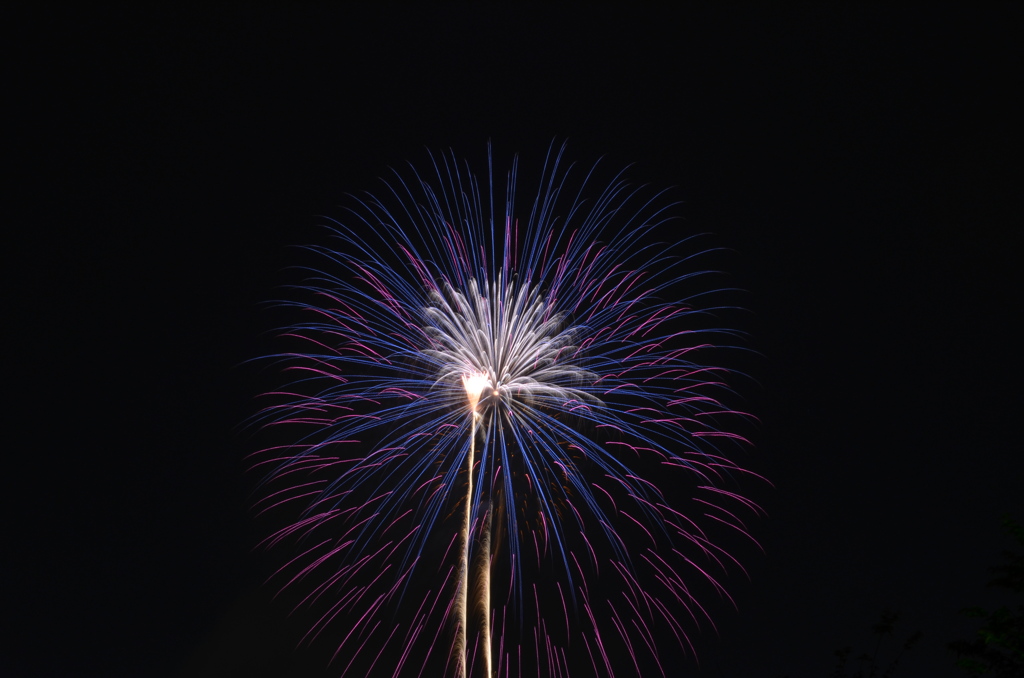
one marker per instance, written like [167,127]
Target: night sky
[862,167]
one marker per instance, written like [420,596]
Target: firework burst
[507,445]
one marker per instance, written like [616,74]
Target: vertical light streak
[475,384]
[462,643]
[485,591]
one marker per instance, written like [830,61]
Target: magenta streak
[563,661]
[367,351]
[738,529]
[634,278]
[511,579]
[737,469]
[712,580]
[501,641]
[614,506]
[614,534]
[623,325]
[278,571]
[719,434]
[289,394]
[536,649]
[364,466]
[675,312]
[336,610]
[689,467]
[278,536]
[680,634]
[590,653]
[329,349]
[692,399]
[413,630]
[686,374]
[649,504]
[472,658]
[307,464]
[583,577]
[675,421]
[267,450]
[451,652]
[634,586]
[617,621]
[611,296]
[650,644]
[684,517]
[416,264]
[284,501]
[392,523]
[403,392]
[349,310]
[356,654]
[699,543]
[655,319]
[544,259]
[597,639]
[579,516]
[455,537]
[674,586]
[287,489]
[544,524]
[377,658]
[564,608]
[294,460]
[615,442]
[586,276]
[623,385]
[315,594]
[436,490]
[306,469]
[673,577]
[743,500]
[720,550]
[357,525]
[410,640]
[428,481]
[711,413]
[646,482]
[578,449]
[641,525]
[645,632]
[596,305]
[547,648]
[564,260]
[440,627]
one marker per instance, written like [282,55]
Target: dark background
[863,165]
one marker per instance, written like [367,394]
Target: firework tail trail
[484,604]
[474,385]
[594,396]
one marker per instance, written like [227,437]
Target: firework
[507,443]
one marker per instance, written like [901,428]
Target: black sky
[863,165]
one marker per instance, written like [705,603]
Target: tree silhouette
[871,665]
[998,648]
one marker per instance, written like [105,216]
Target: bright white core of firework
[505,346]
